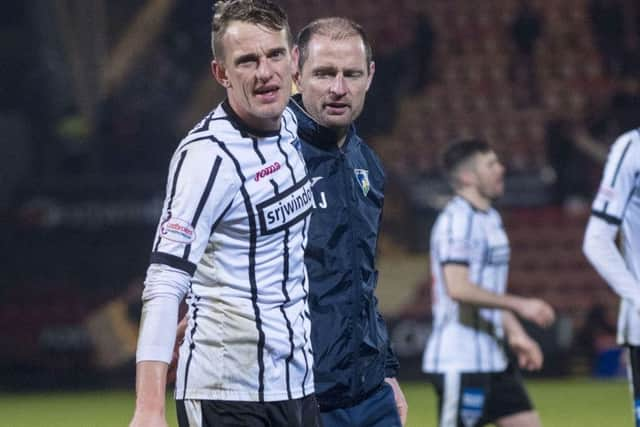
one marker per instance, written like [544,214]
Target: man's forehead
[325,49]
[248,36]
[486,156]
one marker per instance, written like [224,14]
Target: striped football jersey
[466,338]
[618,203]
[236,215]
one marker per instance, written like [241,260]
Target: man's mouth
[336,107]
[267,93]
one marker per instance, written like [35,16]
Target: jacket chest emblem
[362,176]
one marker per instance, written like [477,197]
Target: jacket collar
[314,133]
[242,127]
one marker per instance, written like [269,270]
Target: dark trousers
[379,410]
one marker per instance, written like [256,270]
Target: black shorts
[634,378]
[477,399]
[303,412]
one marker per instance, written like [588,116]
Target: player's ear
[464,177]
[372,70]
[295,57]
[220,73]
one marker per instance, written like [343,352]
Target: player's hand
[401,402]
[528,352]
[537,311]
[173,366]
[148,419]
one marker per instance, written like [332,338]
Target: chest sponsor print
[284,210]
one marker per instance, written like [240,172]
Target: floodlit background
[96,94]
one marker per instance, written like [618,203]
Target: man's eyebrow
[248,57]
[325,69]
[276,51]
[254,57]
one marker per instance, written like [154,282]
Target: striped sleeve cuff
[173,261]
[455,262]
[606,217]
[153,353]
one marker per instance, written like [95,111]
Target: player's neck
[476,199]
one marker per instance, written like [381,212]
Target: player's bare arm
[150,394]
[528,351]
[464,291]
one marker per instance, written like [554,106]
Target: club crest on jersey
[362,175]
[177,230]
[284,210]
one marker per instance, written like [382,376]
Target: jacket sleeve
[391,363]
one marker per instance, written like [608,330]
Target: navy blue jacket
[352,353]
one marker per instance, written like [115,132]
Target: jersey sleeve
[600,249]
[202,183]
[453,243]
[618,179]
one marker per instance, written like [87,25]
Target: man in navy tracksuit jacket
[354,365]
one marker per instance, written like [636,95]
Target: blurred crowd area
[107,88]
[95,96]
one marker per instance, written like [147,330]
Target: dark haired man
[231,238]
[474,317]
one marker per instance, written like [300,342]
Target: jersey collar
[244,128]
[473,207]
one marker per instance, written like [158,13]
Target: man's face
[334,80]
[256,70]
[488,175]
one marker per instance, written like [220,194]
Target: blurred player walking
[474,317]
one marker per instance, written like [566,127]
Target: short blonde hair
[259,12]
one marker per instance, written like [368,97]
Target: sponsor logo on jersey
[177,230]
[362,175]
[267,171]
[498,255]
[472,406]
[286,209]
[607,193]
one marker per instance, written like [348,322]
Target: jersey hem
[243,396]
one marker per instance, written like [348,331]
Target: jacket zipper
[356,384]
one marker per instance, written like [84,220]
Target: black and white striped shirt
[618,204]
[235,217]
[467,338]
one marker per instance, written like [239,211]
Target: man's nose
[339,86]
[265,70]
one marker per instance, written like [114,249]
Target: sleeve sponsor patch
[177,230]
[606,193]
